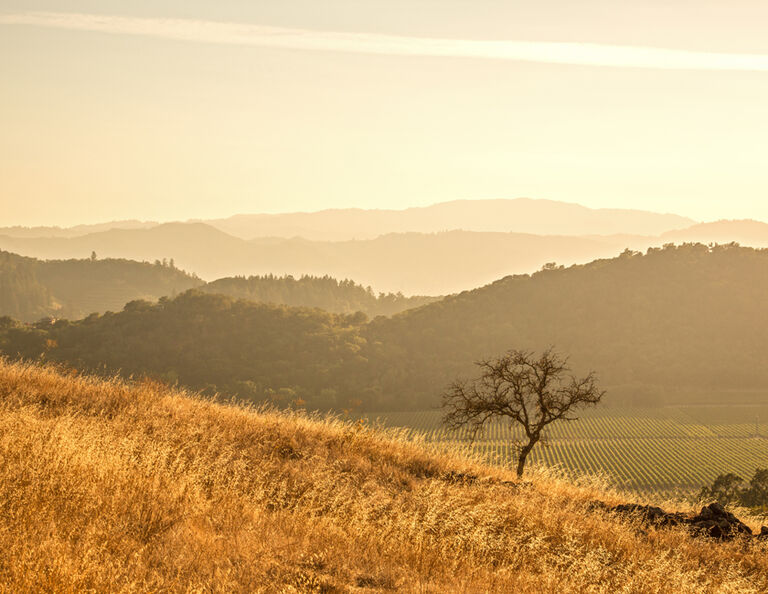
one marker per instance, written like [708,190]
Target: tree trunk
[524,451]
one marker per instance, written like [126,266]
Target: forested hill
[687,323]
[678,324]
[325,292]
[210,342]
[31,289]
[22,296]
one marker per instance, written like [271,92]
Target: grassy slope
[104,486]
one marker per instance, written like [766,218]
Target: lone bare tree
[531,391]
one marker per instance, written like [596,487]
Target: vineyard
[671,450]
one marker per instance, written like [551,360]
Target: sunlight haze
[170,111]
[384,296]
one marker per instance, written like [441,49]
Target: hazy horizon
[354,295]
[164,111]
[278,212]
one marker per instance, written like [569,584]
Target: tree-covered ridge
[31,289]
[22,296]
[209,342]
[94,285]
[325,292]
[683,324]
[672,325]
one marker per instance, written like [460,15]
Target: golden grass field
[110,487]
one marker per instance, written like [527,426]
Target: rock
[715,521]
[763,533]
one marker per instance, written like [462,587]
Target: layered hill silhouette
[414,263]
[74,231]
[520,215]
[746,232]
[32,289]
[678,325]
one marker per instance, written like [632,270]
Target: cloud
[591,54]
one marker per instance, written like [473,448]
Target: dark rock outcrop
[715,521]
[712,521]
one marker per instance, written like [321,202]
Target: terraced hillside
[670,450]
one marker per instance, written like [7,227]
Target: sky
[179,109]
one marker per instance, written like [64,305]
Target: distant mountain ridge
[744,231]
[75,231]
[520,215]
[419,262]
[411,263]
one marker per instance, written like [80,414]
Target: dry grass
[108,487]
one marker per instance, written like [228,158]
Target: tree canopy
[730,488]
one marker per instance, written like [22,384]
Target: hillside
[31,289]
[22,296]
[324,292]
[675,325]
[211,342]
[82,287]
[112,487]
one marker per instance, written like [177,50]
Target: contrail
[590,54]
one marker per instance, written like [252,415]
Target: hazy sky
[176,109]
